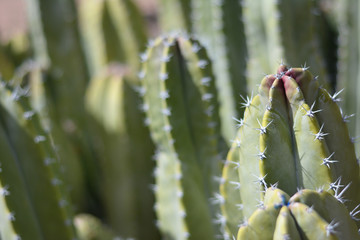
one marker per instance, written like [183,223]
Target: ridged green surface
[292,135]
[126,165]
[306,215]
[281,31]
[177,75]
[31,172]
[218,26]
[111,30]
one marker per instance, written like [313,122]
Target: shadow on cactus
[294,135]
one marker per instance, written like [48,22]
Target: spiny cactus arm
[90,15]
[17,217]
[38,164]
[286,226]
[275,196]
[251,180]
[260,225]
[275,133]
[341,144]
[311,224]
[129,30]
[330,209]
[175,15]
[179,185]
[231,204]
[218,26]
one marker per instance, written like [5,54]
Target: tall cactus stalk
[177,75]
[218,26]
[280,30]
[30,172]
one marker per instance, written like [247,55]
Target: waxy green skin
[30,172]
[292,135]
[180,100]
[306,215]
[218,26]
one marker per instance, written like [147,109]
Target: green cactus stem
[126,164]
[111,30]
[35,203]
[275,31]
[182,109]
[293,135]
[306,215]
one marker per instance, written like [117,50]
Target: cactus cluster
[293,135]
[105,136]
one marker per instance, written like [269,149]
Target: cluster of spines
[15,101]
[336,184]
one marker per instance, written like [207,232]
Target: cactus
[126,165]
[111,30]
[306,215]
[30,172]
[293,135]
[181,104]
[218,26]
[289,37]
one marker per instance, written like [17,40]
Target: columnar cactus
[111,30]
[306,215]
[180,101]
[218,26]
[126,164]
[289,31]
[293,134]
[30,172]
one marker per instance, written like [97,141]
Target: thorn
[247,101]
[206,81]
[336,185]
[11,216]
[237,185]
[141,91]
[202,63]
[261,155]
[195,48]
[207,97]
[304,67]
[240,206]
[220,220]
[166,58]
[4,191]
[237,142]
[163,76]
[237,165]
[239,122]
[141,74]
[167,128]
[144,57]
[338,196]
[164,94]
[39,138]
[330,229]
[55,181]
[166,111]
[336,94]
[355,212]
[261,180]
[28,115]
[346,117]
[263,129]
[327,161]
[311,113]
[320,135]
[354,139]
[218,199]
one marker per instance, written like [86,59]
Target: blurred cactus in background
[108,134]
